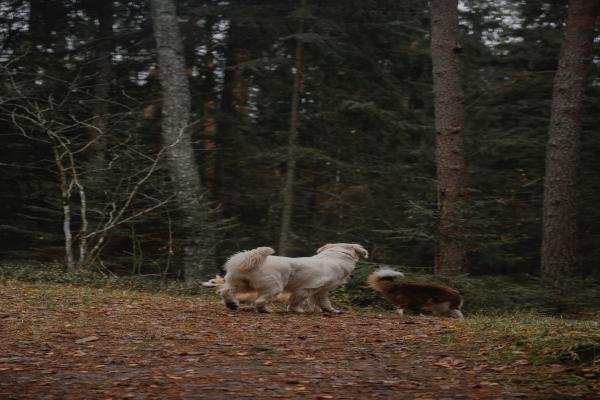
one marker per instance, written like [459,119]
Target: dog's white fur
[305,278]
[388,273]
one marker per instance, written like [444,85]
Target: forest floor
[68,342]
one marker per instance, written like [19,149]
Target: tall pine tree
[559,236]
[449,128]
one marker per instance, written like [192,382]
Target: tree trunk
[44,17]
[559,231]
[66,204]
[449,126]
[230,142]
[209,110]
[209,144]
[99,130]
[288,188]
[176,104]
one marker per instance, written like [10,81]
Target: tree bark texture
[176,104]
[99,131]
[66,204]
[44,17]
[449,127]
[209,112]
[288,188]
[559,231]
[230,141]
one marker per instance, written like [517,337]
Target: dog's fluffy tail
[249,260]
[382,279]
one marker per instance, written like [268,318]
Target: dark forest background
[81,76]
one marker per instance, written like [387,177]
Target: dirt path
[80,343]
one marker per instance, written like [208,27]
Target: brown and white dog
[416,295]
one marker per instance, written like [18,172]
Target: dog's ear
[360,251]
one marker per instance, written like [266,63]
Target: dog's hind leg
[296,300]
[322,300]
[310,305]
[456,313]
[265,296]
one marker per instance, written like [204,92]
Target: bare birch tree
[36,118]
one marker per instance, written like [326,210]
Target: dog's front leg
[265,297]
[228,295]
[322,300]
[261,303]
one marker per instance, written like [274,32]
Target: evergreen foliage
[365,167]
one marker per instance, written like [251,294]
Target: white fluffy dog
[304,277]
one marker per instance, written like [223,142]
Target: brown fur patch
[416,295]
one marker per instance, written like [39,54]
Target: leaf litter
[120,344]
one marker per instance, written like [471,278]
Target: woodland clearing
[60,341]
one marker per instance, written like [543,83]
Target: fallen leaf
[87,339]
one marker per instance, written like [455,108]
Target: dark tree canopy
[83,78]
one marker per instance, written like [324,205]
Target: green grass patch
[56,273]
[263,348]
[541,339]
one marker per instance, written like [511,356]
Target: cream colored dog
[305,278]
